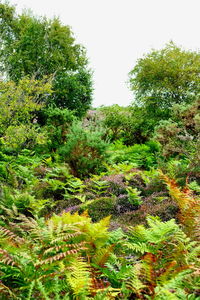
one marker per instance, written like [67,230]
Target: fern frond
[189,206]
[194,253]
[9,235]
[61,247]
[64,237]
[138,248]
[31,287]
[7,291]
[79,278]
[102,255]
[134,283]
[6,258]
[56,257]
[42,290]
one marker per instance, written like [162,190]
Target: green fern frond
[78,277]
[102,255]
[134,283]
[194,253]
[31,287]
[139,248]
[42,290]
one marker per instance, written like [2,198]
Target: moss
[100,208]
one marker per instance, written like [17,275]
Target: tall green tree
[37,46]
[159,80]
[165,77]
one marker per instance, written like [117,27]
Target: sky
[116,33]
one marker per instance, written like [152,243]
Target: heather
[96,203]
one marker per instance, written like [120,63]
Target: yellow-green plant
[60,256]
[164,258]
[188,204]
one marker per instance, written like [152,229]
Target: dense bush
[145,155]
[57,122]
[165,77]
[84,150]
[115,119]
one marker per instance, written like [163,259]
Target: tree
[115,119]
[19,104]
[165,77]
[37,46]
[159,80]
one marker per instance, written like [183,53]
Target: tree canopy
[159,80]
[165,77]
[37,46]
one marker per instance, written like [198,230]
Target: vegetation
[106,206]
[161,79]
[37,47]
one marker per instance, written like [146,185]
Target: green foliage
[134,196]
[84,150]
[159,80]
[54,167]
[179,136]
[73,90]
[145,155]
[57,122]
[37,46]
[120,168]
[20,102]
[165,254]
[21,202]
[128,124]
[100,207]
[74,189]
[19,105]
[98,186]
[165,77]
[114,119]
[36,254]
[194,186]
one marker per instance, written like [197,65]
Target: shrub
[57,126]
[114,118]
[84,150]
[179,136]
[144,155]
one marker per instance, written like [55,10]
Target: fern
[79,277]
[42,290]
[98,186]
[164,253]
[33,252]
[188,204]
[134,284]
[6,292]
[102,255]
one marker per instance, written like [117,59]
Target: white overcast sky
[118,32]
